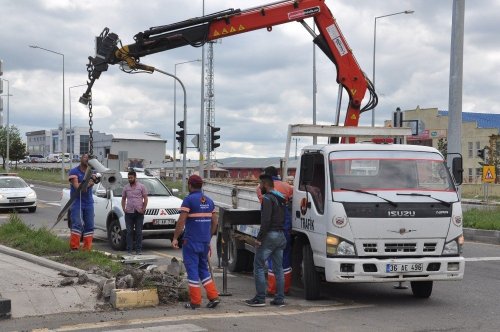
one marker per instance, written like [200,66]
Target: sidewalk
[34,289]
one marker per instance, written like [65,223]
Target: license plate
[417,267]
[164,221]
[16,200]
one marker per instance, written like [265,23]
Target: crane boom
[230,22]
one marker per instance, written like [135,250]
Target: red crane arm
[197,31]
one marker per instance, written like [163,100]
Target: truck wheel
[310,277]
[116,237]
[238,258]
[421,289]
[297,263]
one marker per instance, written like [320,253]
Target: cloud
[263,80]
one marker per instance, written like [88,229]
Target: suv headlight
[454,247]
[337,246]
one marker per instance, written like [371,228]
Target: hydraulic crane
[199,30]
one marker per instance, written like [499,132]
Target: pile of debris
[71,275]
[167,279]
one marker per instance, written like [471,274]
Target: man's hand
[175,244]
[258,243]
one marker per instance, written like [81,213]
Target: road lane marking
[482,259]
[161,320]
[54,203]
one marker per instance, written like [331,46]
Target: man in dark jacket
[270,242]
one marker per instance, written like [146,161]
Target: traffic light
[480,153]
[180,136]
[213,138]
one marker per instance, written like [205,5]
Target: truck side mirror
[306,169]
[457,169]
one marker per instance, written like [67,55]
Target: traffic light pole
[185,128]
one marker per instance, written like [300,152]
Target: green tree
[17,149]
[443,146]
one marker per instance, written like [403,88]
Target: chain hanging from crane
[90,70]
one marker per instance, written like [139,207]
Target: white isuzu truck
[362,212]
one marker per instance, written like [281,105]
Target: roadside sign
[489,175]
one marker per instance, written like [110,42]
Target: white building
[116,151]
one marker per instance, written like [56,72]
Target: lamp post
[63,138]
[174,166]
[71,134]
[374,47]
[185,128]
[7,167]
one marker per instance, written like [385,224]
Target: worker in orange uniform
[199,222]
[287,191]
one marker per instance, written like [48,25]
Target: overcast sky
[263,80]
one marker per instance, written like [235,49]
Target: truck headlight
[454,247]
[337,246]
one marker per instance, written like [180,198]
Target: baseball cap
[195,179]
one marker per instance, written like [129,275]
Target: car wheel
[116,236]
[32,209]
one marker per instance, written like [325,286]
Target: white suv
[160,217]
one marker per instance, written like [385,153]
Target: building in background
[117,151]
[479,130]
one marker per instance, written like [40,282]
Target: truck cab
[376,213]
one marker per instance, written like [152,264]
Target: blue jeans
[134,220]
[272,246]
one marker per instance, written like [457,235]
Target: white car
[160,217]
[15,193]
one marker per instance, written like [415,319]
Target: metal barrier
[227,219]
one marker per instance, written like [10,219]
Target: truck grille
[370,247]
[381,248]
[155,212]
[400,247]
[430,247]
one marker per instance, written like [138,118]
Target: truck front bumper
[375,269]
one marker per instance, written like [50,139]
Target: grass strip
[488,219]
[41,242]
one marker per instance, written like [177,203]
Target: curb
[96,279]
[47,183]
[481,235]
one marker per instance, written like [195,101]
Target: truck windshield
[389,170]
[154,187]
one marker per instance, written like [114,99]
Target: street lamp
[71,134]
[175,112]
[374,45]
[7,167]
[63,138]
[185,129]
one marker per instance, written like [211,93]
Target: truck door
[310,196]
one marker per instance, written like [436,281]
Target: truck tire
[421,289]
[116,236]
[238,258]
[310,277]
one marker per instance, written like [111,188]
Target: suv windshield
[389,170]
[154,187]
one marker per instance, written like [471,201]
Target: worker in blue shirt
[199,222]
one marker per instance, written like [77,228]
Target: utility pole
[456,78]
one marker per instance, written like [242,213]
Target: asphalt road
[472,304]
